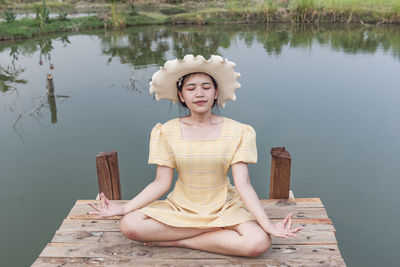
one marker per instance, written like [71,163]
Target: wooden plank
[84,240]
[90,225]
[274,209]
[279,185]
[293,203]
[234,261]
[306,202]
[138,251]
[272,214]
[309,237]
[112,225]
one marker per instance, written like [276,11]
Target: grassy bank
[129,13]
[26,28]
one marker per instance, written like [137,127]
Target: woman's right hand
[107,208]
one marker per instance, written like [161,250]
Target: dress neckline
[201,140]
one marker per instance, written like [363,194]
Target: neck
[201,118]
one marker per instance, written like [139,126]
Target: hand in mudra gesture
[107,208]
[283,228]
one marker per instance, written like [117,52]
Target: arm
[153,191]
[150,193]
[246,192]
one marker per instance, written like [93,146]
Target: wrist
[266,225]
[125,209]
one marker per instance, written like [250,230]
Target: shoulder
[166,128]
[238,127]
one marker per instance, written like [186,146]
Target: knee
[258,245]
[128,226]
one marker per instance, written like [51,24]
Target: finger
[293,235]
[289,224]
[287,218]
[108,202]
[103,201]
[297,229]
[94,206]
[281,235]
[93,213]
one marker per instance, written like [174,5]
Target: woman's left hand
[283,228]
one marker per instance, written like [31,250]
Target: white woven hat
[163,82]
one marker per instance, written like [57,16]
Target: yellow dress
[203,195]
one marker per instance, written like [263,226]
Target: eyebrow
[195,84]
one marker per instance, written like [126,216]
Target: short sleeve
[247,148]
[159,152]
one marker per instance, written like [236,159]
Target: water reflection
[53,108]
[10,72]
[11,82]
[146,47]
[139,47]
[9,76]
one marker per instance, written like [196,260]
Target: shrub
[172,11]
[8,11]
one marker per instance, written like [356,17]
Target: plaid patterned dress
[203,195]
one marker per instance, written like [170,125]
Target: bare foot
[174,243]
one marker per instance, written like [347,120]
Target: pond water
[329,94]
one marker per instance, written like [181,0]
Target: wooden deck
[84,240]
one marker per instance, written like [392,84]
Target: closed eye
[206,85]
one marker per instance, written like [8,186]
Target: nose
[199,91]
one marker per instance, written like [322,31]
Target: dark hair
[181,82]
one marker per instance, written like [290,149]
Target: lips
[200,102]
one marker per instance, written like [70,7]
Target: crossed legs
[245,239]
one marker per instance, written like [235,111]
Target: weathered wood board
[84,240]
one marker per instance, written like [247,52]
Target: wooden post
[108,174]
[280,173]
[50,85]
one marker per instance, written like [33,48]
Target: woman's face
[198,93]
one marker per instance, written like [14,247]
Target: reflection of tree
[9,76]
[200,41]
[139,48]
[144,46]
[45,47]
[350,39]
[9,73]
[273,39]
[43,44]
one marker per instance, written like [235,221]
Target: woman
[204,211]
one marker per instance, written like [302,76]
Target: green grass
[26,28]
[146,18]
[155,16]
